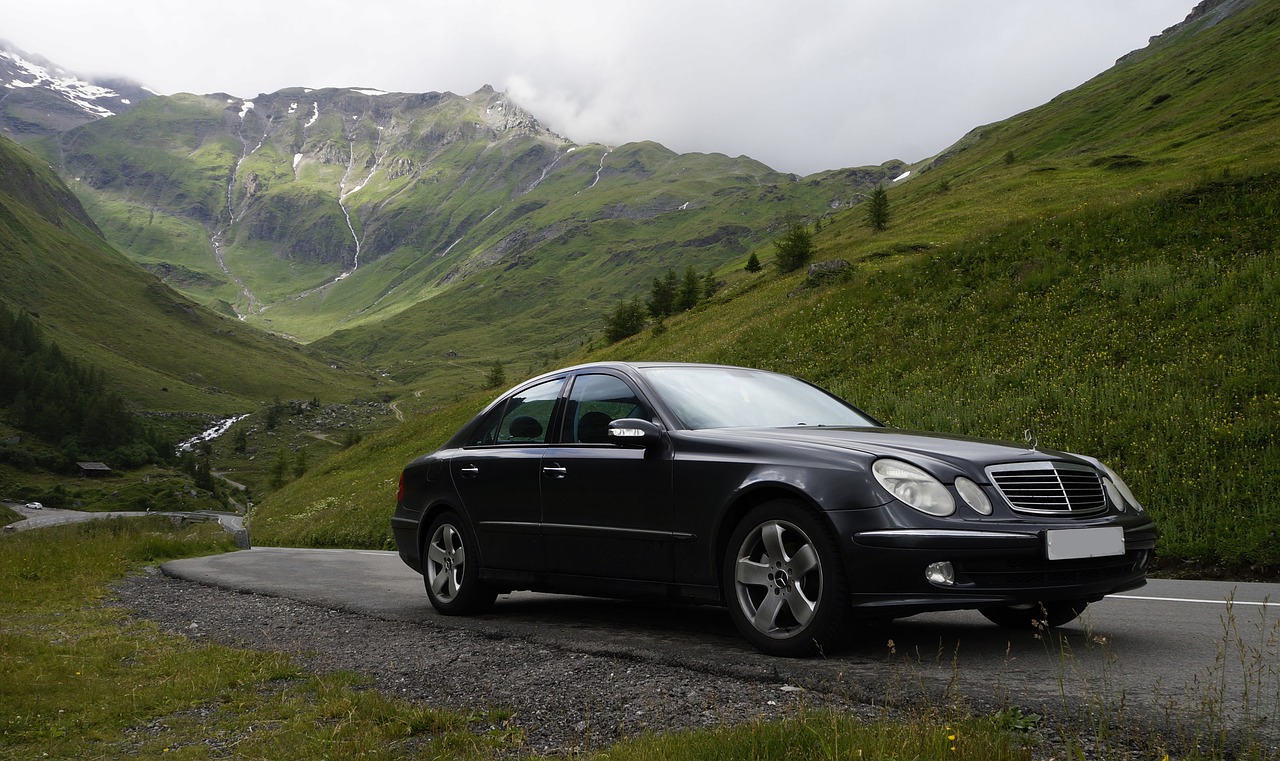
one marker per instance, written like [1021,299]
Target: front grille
[1000,573]
[1050,488]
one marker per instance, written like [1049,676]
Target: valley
[341,278]
[1097,269]
[347,214]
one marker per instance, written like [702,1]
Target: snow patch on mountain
[79,92]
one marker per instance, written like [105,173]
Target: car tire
[451,568]
[784,581]
[1036,615]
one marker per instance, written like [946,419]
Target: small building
[93,469]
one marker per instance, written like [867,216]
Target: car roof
[635,365]
[628,368]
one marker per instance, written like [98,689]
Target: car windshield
[729,397]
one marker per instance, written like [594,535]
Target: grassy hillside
[161,351]
[1100,270]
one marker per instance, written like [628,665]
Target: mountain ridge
[38,98]
[308,211]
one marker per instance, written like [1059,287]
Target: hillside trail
[395,406]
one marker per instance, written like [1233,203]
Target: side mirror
[634,433]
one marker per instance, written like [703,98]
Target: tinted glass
[722,397]
[524,419]
[596,401]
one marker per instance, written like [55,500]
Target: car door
[498,476]
[606,510]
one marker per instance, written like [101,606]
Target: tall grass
[1229,708]
[830,734]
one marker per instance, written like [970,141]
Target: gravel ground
[564,701]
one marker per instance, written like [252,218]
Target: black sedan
[762,493]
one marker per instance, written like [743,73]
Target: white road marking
[1263,604]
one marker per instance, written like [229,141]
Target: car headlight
[914,487]
[1117,489]
[973,495]
[1124,489]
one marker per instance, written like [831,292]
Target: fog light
[940,573]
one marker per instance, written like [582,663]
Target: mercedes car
[760,492]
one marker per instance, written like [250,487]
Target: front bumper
[993,566]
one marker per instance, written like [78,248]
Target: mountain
[161,351]
[1101,271]
[421,226]
[39,98]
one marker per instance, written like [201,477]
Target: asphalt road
[1183,651]
[50,516]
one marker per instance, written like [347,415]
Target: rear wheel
[451,568]
[784,581]
[1036,615]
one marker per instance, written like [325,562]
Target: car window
[524,419]
[724,397]
[596,401]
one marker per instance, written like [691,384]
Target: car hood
[961,453]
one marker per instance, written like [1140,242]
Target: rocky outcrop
[1207,14]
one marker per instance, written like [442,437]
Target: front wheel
[784,581]
[1036,615]
[451,568]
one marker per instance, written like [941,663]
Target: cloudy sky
[802,85]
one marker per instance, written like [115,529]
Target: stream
[219,428]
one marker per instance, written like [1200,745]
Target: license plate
[1072,543]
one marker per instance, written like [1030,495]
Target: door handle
[554,471]
[469,471]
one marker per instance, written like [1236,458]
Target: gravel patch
[564,701]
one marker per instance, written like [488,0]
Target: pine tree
[626,319]
[690,290]
[662,296]
[794,249]
[710,285]
[280,469]
[878,209]
[497,375]
[753,263]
